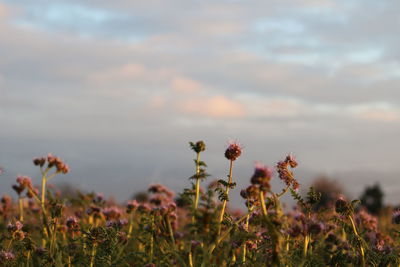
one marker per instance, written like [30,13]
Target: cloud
[128,72]
[377,112]
[215,107]
[185,85]
[3,11]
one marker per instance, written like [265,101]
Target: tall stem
[305,249]
[130,224]
[244,251]
[359,239]
[196,200]
[262,200]
[221,216]
[93,255]
[152,239]
[171,233]
[21,209]
[46,229]
[43,197]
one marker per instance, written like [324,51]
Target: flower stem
[93,255]
[196,200]
[221,216]
[244,250]
[171,233]
[262,200]
[305,249]
[359,239]
[21,209]
[197,188]
[152,239]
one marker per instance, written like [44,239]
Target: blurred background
[118,88]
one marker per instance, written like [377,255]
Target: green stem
[362,253]
[196,200]
[152,239]
[93,255]
[28,257]
[190,259]
[283,192]
[221,215]
[262,200]
[305,249]
[219,240]
[171,233]
[244,249]
[21,209]
[53,236]
[130,224]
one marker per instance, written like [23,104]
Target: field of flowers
[41,227]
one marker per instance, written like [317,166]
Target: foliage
[194,227]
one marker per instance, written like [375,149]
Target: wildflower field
[40,227]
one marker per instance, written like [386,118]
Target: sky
[118,89]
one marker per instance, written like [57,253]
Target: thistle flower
[131,205]
[99,198]
[161,189]
[285,174]
[112,213]
[369,221]
[6,200]
[116,223]
[52,161]
[72,224]
[22,183]
[315,228]
[262,175]
[396,217]
[233,151]
[342,206]
[6,256]
[39,161]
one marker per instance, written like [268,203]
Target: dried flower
[285,174]
[342,206]
[198,147]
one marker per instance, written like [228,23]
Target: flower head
[233,151]
[396,217]
[52,161]
[198,147]
[6,256]
[262,175]
[285,174]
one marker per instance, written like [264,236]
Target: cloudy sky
[118,88]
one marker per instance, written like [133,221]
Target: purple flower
[262,175]
[233,151]
[6,256]
[396,217]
